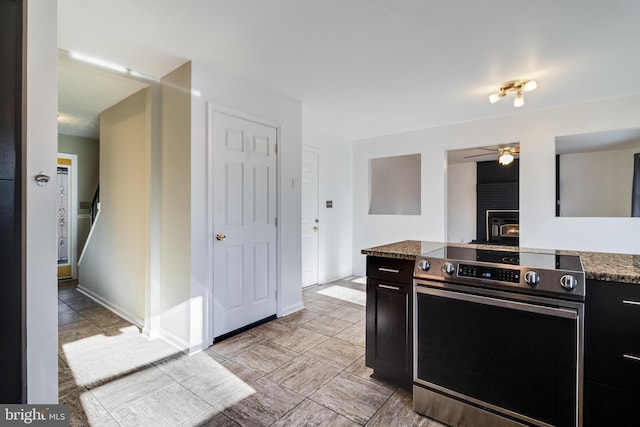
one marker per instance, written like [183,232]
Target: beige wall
[114,268]
[88,152]
[175,270]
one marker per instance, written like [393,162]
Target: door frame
[73,223]
[211,109]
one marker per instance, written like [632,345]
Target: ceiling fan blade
[479,155]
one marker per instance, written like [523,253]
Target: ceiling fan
[506,153]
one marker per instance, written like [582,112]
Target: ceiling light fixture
[505,156]
[517,86]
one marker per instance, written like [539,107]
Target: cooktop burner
[521,271]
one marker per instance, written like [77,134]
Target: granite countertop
[623,268]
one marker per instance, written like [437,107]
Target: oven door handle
[514,305]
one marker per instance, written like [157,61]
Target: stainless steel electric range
[498,337]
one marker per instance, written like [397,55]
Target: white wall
[114,268]
[394,185]
[41,129]
[335,245]
[535,131]
[597,183]
[228,92]
[461,202]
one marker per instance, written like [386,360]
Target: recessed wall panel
[234,140]
[261,145]
[234,193]
[234,268]
[261,194]
[261,271]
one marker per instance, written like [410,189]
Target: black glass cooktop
[537,260]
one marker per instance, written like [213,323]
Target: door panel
[309,217]
[244,221]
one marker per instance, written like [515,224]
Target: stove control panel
[489,273]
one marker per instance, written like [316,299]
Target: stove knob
[532,278]
[424,265]
[448,268]
[568,282]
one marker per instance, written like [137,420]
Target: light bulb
[519,100]
[505,158]
[529,86]
[494,97]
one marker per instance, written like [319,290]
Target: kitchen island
[611,323]
[609,267]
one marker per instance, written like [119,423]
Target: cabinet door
[609,406]
[390,330]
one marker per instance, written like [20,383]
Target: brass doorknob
[315,228]
[220,236]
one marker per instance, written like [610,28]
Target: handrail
[95,204]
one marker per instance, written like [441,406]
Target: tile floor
[303,369]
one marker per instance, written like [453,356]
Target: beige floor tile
[300,340]
[398,410]
[214,385]
[107,421]
[327,325]
[182,366]
[299,318]
[243,372]
[255,378]
[350,314]
[84,408]
[343,294]
[354,334]
[210,418]
[169,407]
[321,306]
[303,375]
[130,387]
[336,353]
[271,330]
[352,397]
[310,414]
[77,331]
[108,367]
[264,357]
[359,369]
[268,403]
[236,344]
[106,319]
[69,316]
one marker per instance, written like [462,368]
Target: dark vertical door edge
[11,196]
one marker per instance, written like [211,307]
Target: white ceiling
[364,68]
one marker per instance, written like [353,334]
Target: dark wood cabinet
[612,354]
[389,338]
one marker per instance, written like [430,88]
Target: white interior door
[244,222]
[310,225]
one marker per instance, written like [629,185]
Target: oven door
[518,359]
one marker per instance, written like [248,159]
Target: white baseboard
[174,340]
[285,311]
[138,321]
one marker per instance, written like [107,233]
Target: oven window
[521,361]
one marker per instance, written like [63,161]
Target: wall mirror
[483,195]
[595,174]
